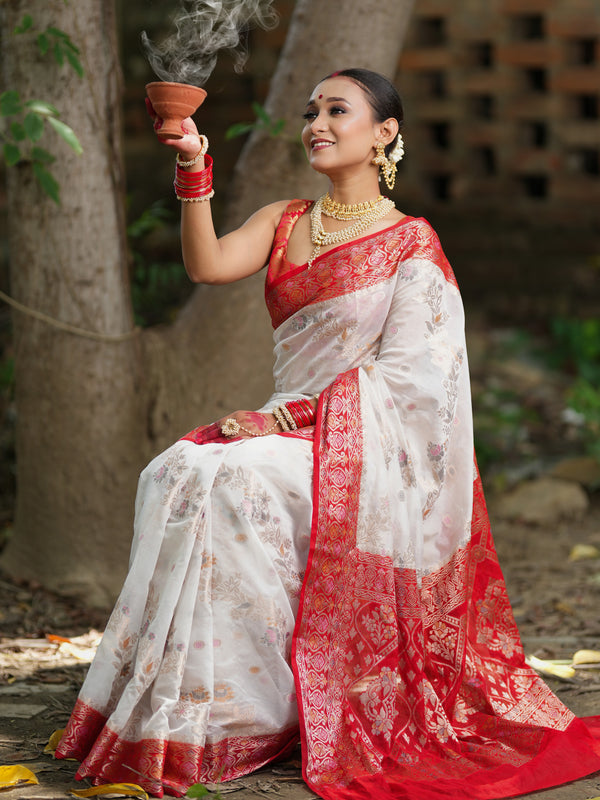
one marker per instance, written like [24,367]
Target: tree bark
[91,413]
[80,437]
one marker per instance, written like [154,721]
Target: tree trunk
[91,413]
[225,332]
[80,435]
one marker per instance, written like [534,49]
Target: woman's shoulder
[279,208]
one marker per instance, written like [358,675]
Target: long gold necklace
[369,213]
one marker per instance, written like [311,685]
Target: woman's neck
[354,190]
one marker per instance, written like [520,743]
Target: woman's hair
[381,95]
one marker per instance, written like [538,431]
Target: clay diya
[173,102]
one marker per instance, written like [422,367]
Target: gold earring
[387,166]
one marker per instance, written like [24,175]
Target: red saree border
[337,465]
[347,268]
[163,766]
[412,691]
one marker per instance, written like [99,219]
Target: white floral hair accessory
[397,153]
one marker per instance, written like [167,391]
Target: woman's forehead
[337,87]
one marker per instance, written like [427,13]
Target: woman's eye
[309,115]
[337,110]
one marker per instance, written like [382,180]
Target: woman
[324,567]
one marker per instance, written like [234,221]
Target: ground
[555,596]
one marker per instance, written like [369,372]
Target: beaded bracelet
[203,150]
[289,417]
[278,414]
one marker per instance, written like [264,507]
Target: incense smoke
[203,28]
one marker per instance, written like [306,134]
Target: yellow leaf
[54,740]
[119,789]
[582,552]
[561,671]
[587,657]
[16,776]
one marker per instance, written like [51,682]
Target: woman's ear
[388,130]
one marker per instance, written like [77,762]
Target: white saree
[323,584]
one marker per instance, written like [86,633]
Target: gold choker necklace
[342,211]
[379,209]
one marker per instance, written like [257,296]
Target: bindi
[320,97]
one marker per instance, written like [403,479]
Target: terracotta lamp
[173,102]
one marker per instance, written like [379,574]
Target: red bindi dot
[320,96]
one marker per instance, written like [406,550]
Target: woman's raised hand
[189,145]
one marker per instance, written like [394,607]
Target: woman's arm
[208,258]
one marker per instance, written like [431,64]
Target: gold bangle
[200,154]
[288,415]
[278,414]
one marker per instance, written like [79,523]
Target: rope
[64,326]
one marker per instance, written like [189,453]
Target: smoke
[203,27]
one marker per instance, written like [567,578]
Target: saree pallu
[391,620]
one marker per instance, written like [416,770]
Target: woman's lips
[320,144]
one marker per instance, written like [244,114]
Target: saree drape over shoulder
[338,583]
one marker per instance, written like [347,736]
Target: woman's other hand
[251,424]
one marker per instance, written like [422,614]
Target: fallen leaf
[562,671]
[582,552]
[16,776]
[563,607]
[114,789]
[53,741]
[587,657]
[52,637]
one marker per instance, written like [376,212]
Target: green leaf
[57,32]
[68,134]
[261,114]
[74,62]
[12,154]
[277,127]
[239,129]
[17,131]
[26,23]
[34,126]
[47,182]
[71,46]
[10,103]
[43,108]
[59,55]
[39,154]
[197,790]
[43,43]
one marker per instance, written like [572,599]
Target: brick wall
[503,107]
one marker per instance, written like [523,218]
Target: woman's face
[340,130]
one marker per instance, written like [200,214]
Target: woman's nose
[319,123]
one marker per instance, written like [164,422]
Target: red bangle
[193,185]
[302,412]
[308,409]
